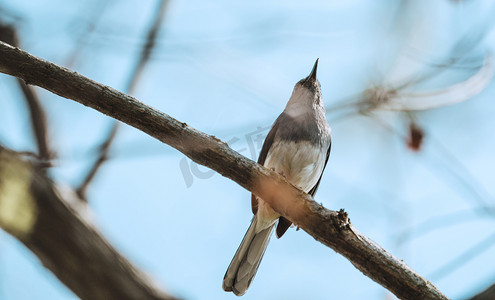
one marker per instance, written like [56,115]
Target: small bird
[297,147]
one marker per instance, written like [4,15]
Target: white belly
[300,163]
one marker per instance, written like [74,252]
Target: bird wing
[283,223]
[312,192]
[267,144]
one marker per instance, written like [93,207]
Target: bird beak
[312,75]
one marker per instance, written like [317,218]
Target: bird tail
[247,259]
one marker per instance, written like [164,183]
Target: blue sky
[228,69]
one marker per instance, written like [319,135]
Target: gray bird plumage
[297,146]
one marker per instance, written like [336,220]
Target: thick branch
[33,211]
[488,294]
[330,228]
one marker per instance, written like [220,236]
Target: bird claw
[281,173]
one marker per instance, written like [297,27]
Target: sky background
[227,68]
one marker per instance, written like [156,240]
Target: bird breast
[300,162]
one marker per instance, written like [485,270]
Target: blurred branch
[331,228]
[453,94]
[458,52]
[441,221]
[148,46]
[92,22]
[488,294]
[38,122]
[102,157]
[39,215]
[464,257]
[39,125]
[130,86]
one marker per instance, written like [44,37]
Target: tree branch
[33,211]
[103,151]
[39,125]
[488,294]
[37,114]
[330,228]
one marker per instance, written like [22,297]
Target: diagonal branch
[148,47]
[102,157]
[469,254]
[488,294]
[330,228]
[41,217]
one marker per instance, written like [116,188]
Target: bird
[297,147]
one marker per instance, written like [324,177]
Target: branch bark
[329,227]
[33,211]
[488,294]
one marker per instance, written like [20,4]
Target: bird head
[307,93]
[310,82]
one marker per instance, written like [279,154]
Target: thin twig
[91,24]
[37,114]
[441,221]
[38,121]
[464,257]
[460,49]
[102,157]
[134,77]
[148,47]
